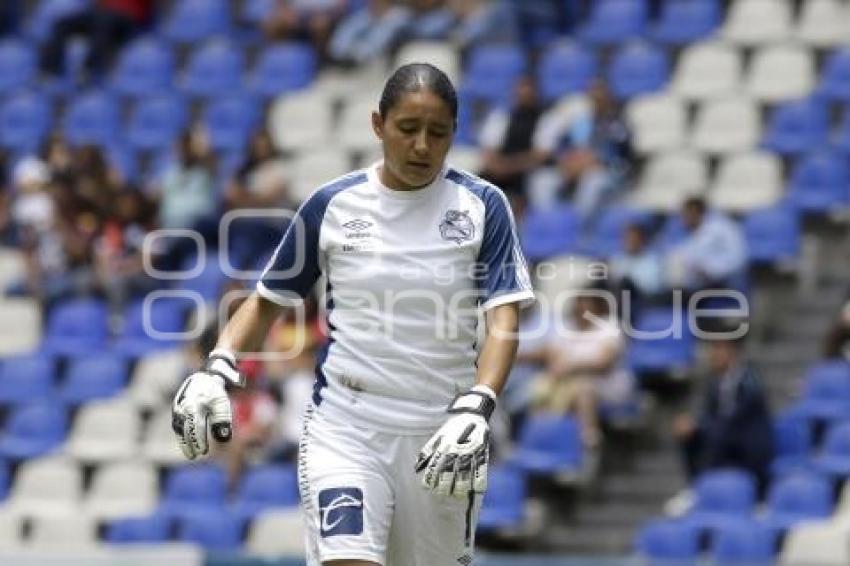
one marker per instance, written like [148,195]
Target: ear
[378,125]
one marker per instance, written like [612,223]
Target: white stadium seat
[820,543]
[277,532]
[658,123]
[707,70]
[442,55]
[669,179]
[726,125]
[746,182]
[781,72]
[301,120]
[757,22]
[312,169]
[354,132]
[824,23]
[50,486]
[466,158]
[11,525]
[104,431]
[69,532]
[159,444]
[20,325]
[156,377]
[122,489]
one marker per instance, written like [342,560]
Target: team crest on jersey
[457,226]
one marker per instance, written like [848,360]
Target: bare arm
[500,344]
[247,330]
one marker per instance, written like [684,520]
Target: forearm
[247,330]
[500,345]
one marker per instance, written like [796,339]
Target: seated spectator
[369,33]
[106,24]
[480,22]
[731,425]
[432,20]
[712,256]
[589,184]
[638,269]
[585,367]
[304,20]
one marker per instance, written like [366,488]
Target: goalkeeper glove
[454,460]
[202,401]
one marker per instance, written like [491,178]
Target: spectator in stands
[589,184]
[432,20]
[106,25]
[480,22]
[638,269]
[731,425]
[311,20]
[57,153]
[369,33]
[506,139]
[585,366]
[838,339]
[712,256]
[96,182]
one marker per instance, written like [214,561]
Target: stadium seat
[549,445]
[66,533]
[792,440]
[614,21]
[658,123]
[820,182]
[156,122]
[26,378]
[209,282]
[155,377]
[492,72]
[213,69]
[301,121]
[503,506]
[214,531]
[230,122]
[93,376]
[661,342]
[835,77]
[47,13]
[144,68]
[46,487]
[779,73]
[92,118]
[834,458]
[796,127]
[637,68]
[826,394]
[148,529]
[33,430]
[312,169]
[354,130]
[164,316]
[707,70]
[685,22]
[565,68]
[158,444]
[743,542]
[824,23]
[758,22]
[608,233]
[822,543]
[11,529]
[256,11]
[667,541]
[104,431]
[191,21]
[25,119]
[5,478]
[545,233]
[841,135]
[282,68]
[122,489]
[263,488]
[723,497]
[278,532]
[773,235]
[194,490]
[124,161]
[17,65]
[746,182]
[440,54]
[669,179]
[797,498]
[726,125]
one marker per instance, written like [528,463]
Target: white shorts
[363,501]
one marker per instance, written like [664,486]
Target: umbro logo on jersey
[357,225]
[457,226]
[341,511]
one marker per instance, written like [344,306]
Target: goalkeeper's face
[416,136]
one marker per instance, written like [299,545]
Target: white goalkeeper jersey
[408,275]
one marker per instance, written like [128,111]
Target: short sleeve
[504,272]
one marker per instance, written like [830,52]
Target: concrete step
[590,540]
[641,489]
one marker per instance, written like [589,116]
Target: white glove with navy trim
[454,461]
[202,402]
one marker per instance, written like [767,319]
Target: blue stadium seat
[95,376]
[773,235]
[17,65]
[827,392]
[685,21]
[820,182]
[124,161]
[722,496]
[26,378]
[194,490]
[33,430]
[256,11]
[792,440]
[796,127]
[504,502]
[230,122]
[673,542]
[190,21]
[668,344]
[672,233]
[154,528]
[743,542]
[545,233]
[165,315]
[614,21]
[841,135]
[47,12]
[637,68]
[492,72]
[4,479]
[144,68]
[549,445]
[265,487]
[282,68]
[64,323]
[834,459]
[607,239]
[214,69]
[797,498]
[212,531]
[155,123]
[25,119]
[565,68]
[92,118]
[835,77]
[209,282]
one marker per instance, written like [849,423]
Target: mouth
[419,165]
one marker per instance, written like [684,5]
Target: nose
[420,143]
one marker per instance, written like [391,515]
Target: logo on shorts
[457,226]
[341,511]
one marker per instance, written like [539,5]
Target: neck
[395,183]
